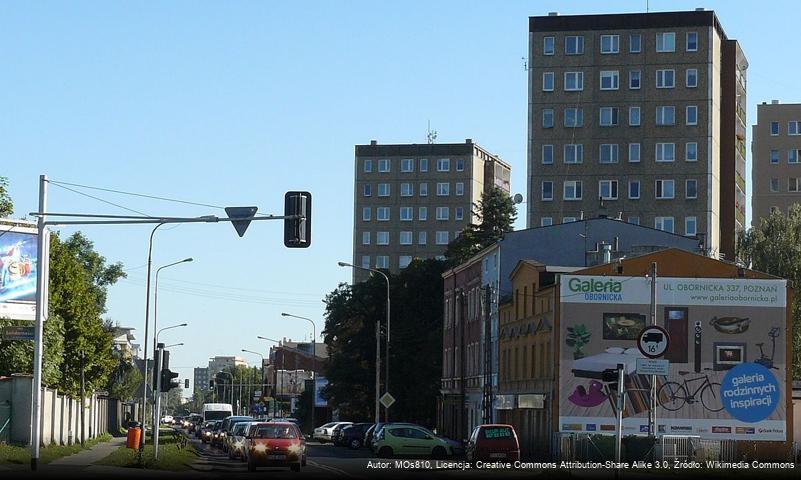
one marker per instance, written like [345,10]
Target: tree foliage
[496,212]
[6,205]
[416,343]
[774,247]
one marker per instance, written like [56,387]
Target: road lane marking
[330,469]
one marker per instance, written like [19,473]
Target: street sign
[653,341]
[245,213]
[18,333]
[387,400]
[652,366]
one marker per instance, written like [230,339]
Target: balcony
[740,181]
[740,217]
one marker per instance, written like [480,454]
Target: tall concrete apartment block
[640,116]
[410,200]
[776,166]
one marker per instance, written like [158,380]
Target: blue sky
[233,103]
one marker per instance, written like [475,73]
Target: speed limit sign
[653,341]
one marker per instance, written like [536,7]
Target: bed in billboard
[18,269]
[727,356]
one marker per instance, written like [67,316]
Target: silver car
[323,432]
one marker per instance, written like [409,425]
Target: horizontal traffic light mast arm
[133,220]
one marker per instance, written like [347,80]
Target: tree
[496,212]
[6,205]
[774,247]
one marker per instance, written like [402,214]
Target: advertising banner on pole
[726,365]
[18,271]
[319,384]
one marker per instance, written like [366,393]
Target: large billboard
[18,270]
[727,372]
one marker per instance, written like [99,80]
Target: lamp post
[175,345]
[314,361]
[157,395]
[377,343]
[147,323]
[262,369]
[156,295]
[275,382]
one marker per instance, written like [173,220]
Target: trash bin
[134,435]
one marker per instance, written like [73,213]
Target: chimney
[700,9]
[373,142]
[553,14]
[606,250]
[616,244]
[468,140]
[774,102]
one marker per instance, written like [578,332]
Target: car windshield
[274,431]
[217,414]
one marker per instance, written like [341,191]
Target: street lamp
[157,393]
[156,294]
[314,361]
[174,345]
[262,370]
[377,343]
[275,381]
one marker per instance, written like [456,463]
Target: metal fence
[585,446]
[5,422]
[693,447]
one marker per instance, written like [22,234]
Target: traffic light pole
[157,416]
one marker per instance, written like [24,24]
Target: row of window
[792,156]
[610,80]
[407,237]
[407,189]
[573,117]
[382,261]
[667,224]
[793,185]
[407,165]
[664,189]
[573,153]
[382,214]
[610,44]
[793,128]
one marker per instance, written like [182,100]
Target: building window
[423,164]
[444,165]
[692,114]
[692,78]
[442,238]
[794,128]
[422,214]
[548,45]
[368,165]
[774,156]
[607,189]
[634,116]
[382,238]
[423,189]
[774,185]
[406,214]
[574,117]
[691,187]
[664,223]
[365,261]
[610,79]
[405,238]
[574,81]
[634,152]
[574,45]
[692,41]
[774,128]
[608,116]
[546,221]
[365,238]
[572,190]
[458,213]
[634,189]
[547,191]
[792,156]
[459,188]
[367,190]
[382,214]
[665,115]
[547,154]
[608,153]
[635,77]
[547,118]
[665,78]
[665,189]
[407,165]
[691,152]
[383,189]
[422,237]
[635,43]
[666,42]
[574,153]
[383,165]
[690,226]
[794,184]
[443,189]
[404,261]
[460,165]
[547,81]
[610,43]
[634,219]
[442,213]
[406,190]
[366,211]
[382,261]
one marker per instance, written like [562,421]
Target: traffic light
[297,231]
[186,383]
[211,383]
[168,380]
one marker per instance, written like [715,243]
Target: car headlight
[260,448]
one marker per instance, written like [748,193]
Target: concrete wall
[60,419]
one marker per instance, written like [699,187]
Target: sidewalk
[90,456]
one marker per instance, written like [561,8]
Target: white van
[216,411]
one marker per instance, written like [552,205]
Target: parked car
[493,442]
[372,432]
[236,441]
[275,444]
[207,431]
[323,432]
[167,419]
[228,439]
[353,435]
[226,427]
[336,432]
[414,440]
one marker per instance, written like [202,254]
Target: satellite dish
[518,199]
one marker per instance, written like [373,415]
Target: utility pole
[159,354]
[83,397]
[487,413]
[654,401]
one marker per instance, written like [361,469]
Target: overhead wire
[58,184]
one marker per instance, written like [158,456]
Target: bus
[216,411]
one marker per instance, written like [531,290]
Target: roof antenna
[431,135]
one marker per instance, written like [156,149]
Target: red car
[275,444]
[493,442]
